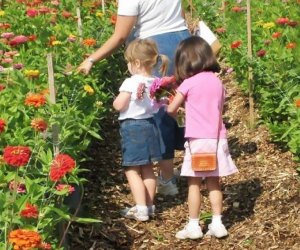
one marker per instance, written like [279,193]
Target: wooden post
[103,6]
[79,24]
[250,76]
[55,129]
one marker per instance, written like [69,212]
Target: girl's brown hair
[146,51]
[194,55]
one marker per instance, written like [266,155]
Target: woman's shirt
[204,99]
[139,108]
[154,17]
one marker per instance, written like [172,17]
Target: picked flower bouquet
[163,90]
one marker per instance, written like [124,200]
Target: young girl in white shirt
[139,134]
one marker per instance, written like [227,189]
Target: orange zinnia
[291,45]
[39,124]
[24,239]
[297,103]
[89,42]
[36,100]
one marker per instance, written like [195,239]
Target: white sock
[216,219]
[193,223]
[151,208]
[142,209]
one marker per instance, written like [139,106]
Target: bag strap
[219,124]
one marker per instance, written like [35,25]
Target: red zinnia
[236,44]
[16,156]
[61,165]
[113,19]
[30,211]
[282,20]
[66,14]
[292,23]
[276,35]
[35,100]
[2,125]
[261,53]
[2,87]
[39,124]
[236,9]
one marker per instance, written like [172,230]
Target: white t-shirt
[154,17]
[138,108]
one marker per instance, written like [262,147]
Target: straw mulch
[261,202]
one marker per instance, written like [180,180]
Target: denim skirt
[140,142]
[167,44]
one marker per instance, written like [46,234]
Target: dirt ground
[261,202]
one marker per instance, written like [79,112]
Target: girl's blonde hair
[146,51]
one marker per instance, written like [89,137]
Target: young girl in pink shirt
[203,96]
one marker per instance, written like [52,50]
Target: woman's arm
[123,27]
[175,104]
[121,102]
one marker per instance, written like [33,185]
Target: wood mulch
[261,202]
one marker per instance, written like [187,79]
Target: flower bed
[275,28]
[49,113]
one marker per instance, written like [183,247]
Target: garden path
[261,202]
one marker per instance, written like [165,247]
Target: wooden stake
[103,6]
[250,76]
[79,24]
[55,129]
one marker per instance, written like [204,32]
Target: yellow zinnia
[99,14]
[2,13]
[268,25]
[54,43]
[31,73]
[89,89]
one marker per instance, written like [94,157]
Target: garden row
[48,112]
[273,63]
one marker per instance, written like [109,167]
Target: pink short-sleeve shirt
[204,98]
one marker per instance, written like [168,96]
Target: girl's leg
[194,197]
[136,184]
[140,210]
[216,228]
[215,194]
[192,230]
[149,181]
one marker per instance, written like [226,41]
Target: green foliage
[274,63]
[72,121]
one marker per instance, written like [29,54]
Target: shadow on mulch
[240,207]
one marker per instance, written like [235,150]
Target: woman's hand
[85,66]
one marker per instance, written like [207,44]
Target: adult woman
[162,21]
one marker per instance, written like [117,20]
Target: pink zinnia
[7,35]
[18,40]
[32,12]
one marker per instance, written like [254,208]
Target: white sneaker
[187,233]
[133,213]
[168,188]
[218,230]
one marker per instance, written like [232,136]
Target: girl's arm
[123,27]
[175,104]
[121,102]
